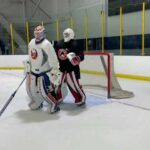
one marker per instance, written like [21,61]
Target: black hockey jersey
[62,49]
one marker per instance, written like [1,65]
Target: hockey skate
[35,106]
[80,103]
[53,108]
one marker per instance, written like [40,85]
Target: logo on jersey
[62,54]
[34,54]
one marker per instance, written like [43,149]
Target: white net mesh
[101,76]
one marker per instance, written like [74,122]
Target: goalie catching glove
[75,60]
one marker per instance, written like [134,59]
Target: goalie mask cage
[97,71]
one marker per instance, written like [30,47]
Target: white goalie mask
[68,34]
[39,33]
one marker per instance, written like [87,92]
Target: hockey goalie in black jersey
[70,56]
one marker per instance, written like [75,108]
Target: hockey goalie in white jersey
[42,59]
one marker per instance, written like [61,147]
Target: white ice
[102,125]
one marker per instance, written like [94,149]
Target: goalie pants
[74,86]
[39,88]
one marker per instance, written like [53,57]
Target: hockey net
[97,71]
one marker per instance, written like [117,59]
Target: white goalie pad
[64,90]
[39,90]
[32,90]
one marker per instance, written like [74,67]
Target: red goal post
[98,72]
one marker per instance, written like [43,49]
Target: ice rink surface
[103,124]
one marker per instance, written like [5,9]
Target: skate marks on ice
[29,116]
[122,102]
[91,101]
[67,108]
[132,105]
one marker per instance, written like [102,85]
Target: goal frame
[112,86]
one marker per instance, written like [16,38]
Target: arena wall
[133,67]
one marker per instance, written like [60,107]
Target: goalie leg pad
[48,94]
[62,90]
[34,105]
[33,92]
[76,88]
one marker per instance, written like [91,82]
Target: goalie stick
[11,97]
